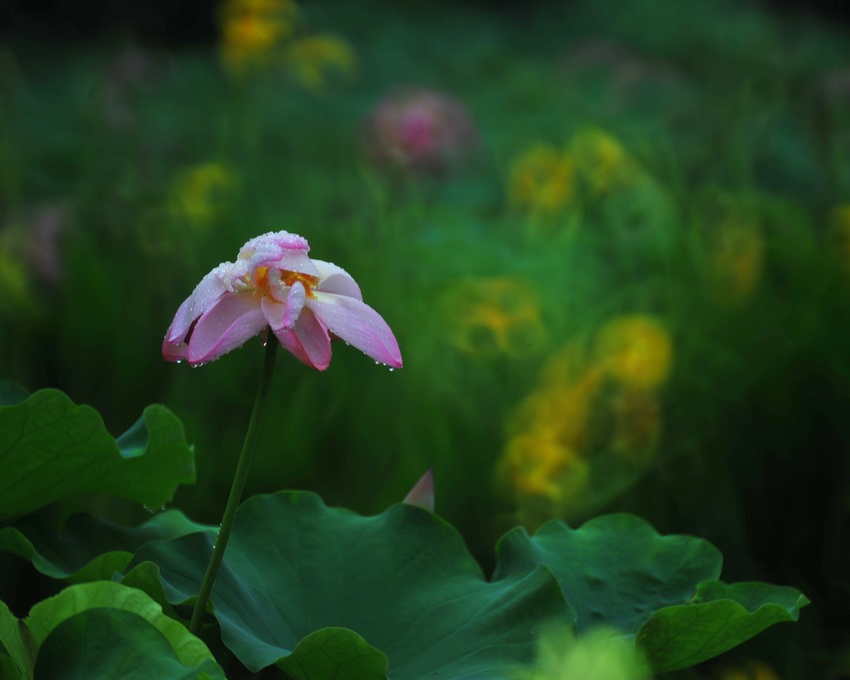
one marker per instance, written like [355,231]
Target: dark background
[184,22]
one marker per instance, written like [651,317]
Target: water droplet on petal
[392,368]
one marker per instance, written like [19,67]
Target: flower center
[263,285]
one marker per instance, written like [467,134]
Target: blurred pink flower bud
[274,284]
[420,131]
[42,249]
[422,493]
[130,76]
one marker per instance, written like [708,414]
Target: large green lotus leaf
[108,630]
[52,449]
[116,644]
[615,570]
[88,548]
[402,580]
[721,616]
[16,651]
[145,577]
[335,654]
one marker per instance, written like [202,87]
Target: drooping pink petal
[292,344]
[176,350]
[422,493]
[281,315]
[358,324]
[228,324]
[335,279]
[206,293]
[308,340]
[274,312]
[295,302]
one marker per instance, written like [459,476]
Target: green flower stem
[236,490]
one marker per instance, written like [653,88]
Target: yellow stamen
[309,282]
[259,280]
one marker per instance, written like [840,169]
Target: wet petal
[288,260]
[206,293]
[292,344]
[308,340]
[274,241]
[295,261]
[228,324]
[176,350]
[282,315]
[335,279]
[279,249]
[358,324]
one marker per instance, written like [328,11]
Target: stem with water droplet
[236,490]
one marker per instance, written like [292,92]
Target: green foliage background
[727,109]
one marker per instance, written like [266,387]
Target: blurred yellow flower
[251,29]
[602,654]
[537,464]
[736,258]
[635,350]
[588,405]
[561,409]
[752,670]
[494,315]
[197,193]
[310,59]
[543,180]
[602,161]
[547,435]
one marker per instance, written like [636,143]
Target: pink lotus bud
[422,493]
[420,131]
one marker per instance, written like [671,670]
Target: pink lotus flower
[274,284]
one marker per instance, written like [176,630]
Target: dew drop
[392,368]
[149,508]
[179,361]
